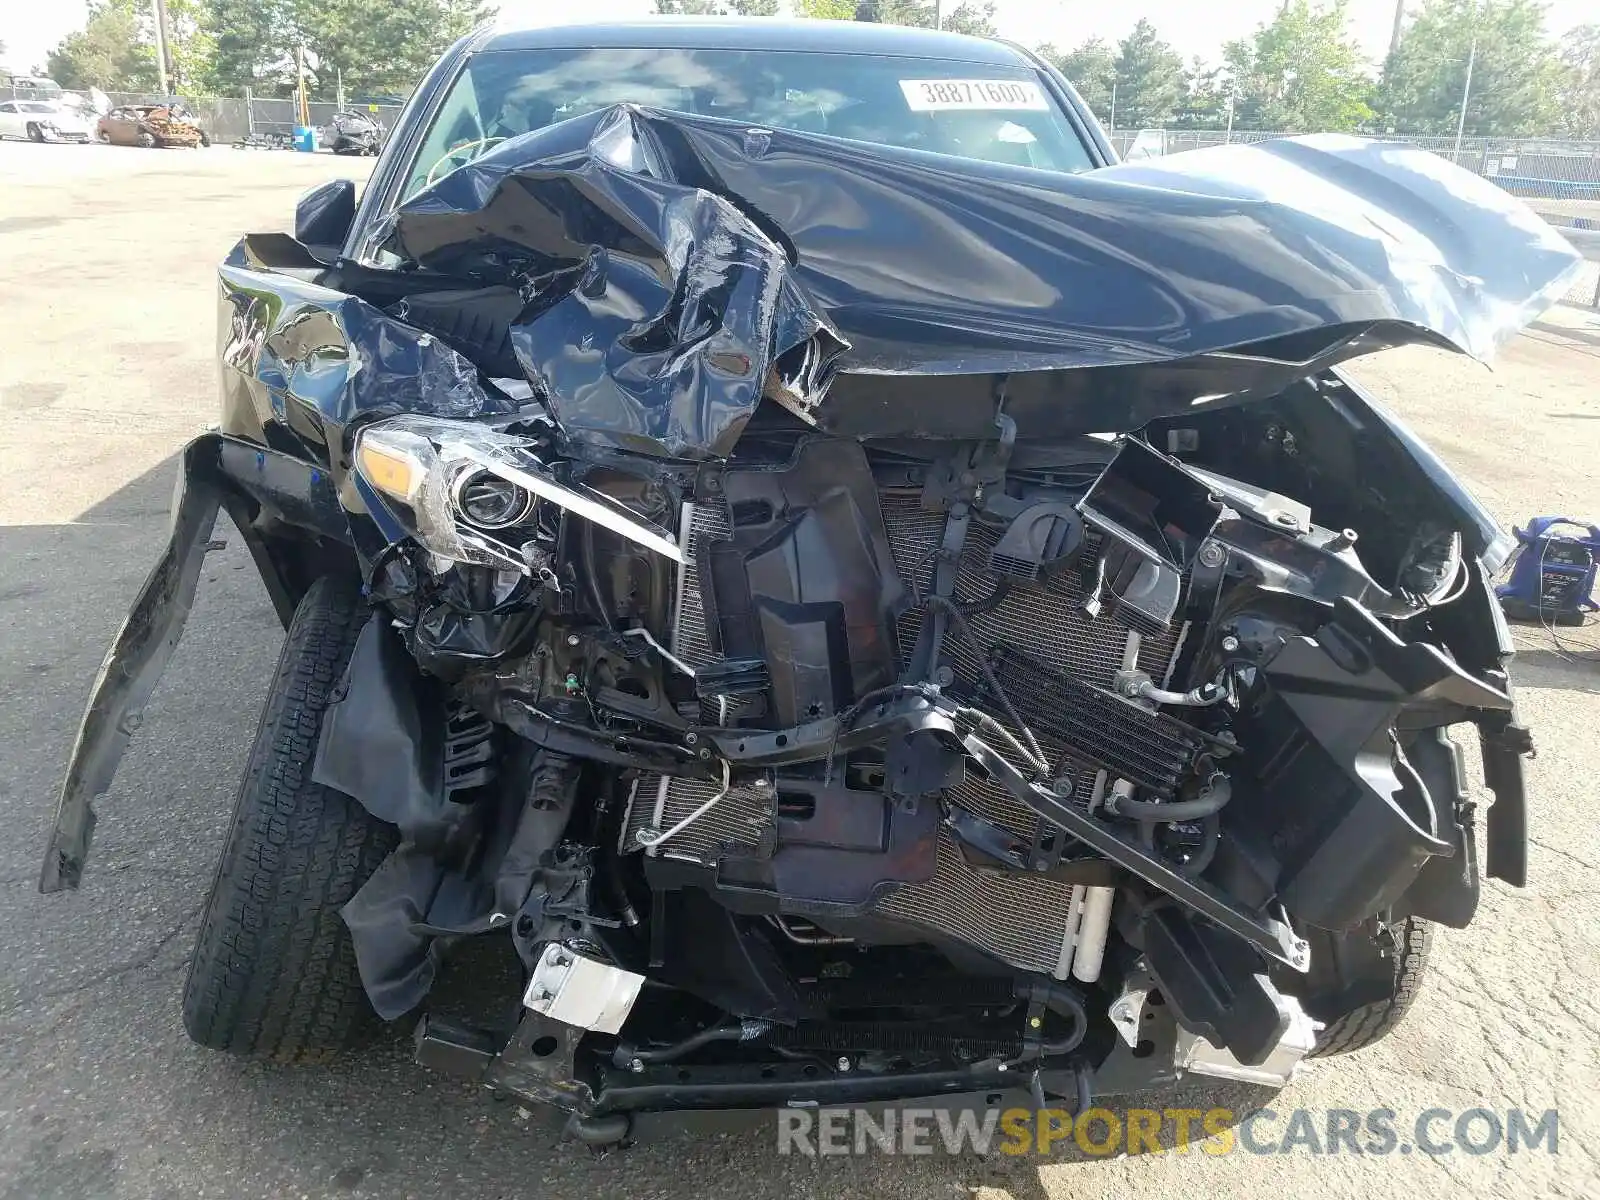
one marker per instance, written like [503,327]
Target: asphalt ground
[107,367]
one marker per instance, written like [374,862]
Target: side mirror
[324,215]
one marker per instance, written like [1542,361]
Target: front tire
[274,971]
[146,139]
[1362,983]
[35,134]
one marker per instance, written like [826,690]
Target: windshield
[34,107]
[974,110]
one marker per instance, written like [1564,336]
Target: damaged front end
[865,624]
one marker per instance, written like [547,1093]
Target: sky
[30,29]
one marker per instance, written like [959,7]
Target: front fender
[214,472]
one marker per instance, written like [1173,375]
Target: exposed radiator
[1020,919]
[1046,620]
[1023,920]
[744,817]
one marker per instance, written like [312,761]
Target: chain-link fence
[1560,179]
[230,119]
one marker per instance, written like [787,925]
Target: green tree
[1300,72]
[1091,68]
[248,39]
[382,47]
[113,51]
[718,8]
[1516,73]
[1206,90]
[1149,79]
[1580,83]
[976,19]
[189,46]
[827,10]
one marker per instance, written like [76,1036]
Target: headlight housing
[472,494]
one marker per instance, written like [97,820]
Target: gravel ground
[106,367]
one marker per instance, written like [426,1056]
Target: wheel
[103,137]
[274,971]
[205,138]
[146,139]
[35,134]
[1361,983]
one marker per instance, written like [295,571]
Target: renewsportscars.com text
[1215,1131]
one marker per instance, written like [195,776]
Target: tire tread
[1361,1027]
[274,971]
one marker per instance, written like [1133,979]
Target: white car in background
[42,121]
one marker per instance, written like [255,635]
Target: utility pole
[161,44]
[1394,33]
[1111,125]
[938,14]
[1466,93]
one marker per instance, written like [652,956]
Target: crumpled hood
[675,267]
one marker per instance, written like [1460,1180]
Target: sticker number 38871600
[932,95]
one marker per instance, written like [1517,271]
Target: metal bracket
[1194,1053]
[584,992]
[1275,937]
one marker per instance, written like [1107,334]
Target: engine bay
[798,733]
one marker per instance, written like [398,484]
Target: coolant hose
[1218,792]
[745,1031]
[1064,1002]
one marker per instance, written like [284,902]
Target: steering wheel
[442,167]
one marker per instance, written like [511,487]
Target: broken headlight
[469,493]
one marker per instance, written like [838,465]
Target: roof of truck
[763,33]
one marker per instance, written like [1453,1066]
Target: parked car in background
[42,121]
[150,125]
[29,87]
[353,132]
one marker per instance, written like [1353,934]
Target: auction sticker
[972,95]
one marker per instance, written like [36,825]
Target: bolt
[704,754]
[689,739]
[1230,644]
[843,1064]
[944,677]
[636,1066]
[1211,554]
[1034,1022]
[1001,1067]
[573,639]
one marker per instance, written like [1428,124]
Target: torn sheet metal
[312,359]
[663,252]
[659,312]
[214,472]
